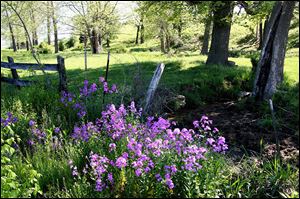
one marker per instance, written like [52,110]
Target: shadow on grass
[200,84]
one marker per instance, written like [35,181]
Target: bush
[44,48]
[61,45]
[78,47]
[119,49]
[71,42]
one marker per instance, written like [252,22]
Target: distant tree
[96,19]
[54,22]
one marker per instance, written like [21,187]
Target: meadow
[74,145]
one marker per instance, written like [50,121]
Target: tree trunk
[13,40]
[48,29]
[34,31]
[269,72]
[26,42]
[27,45]
[137,35]
[54,21]
[218,52]
[142,32]
[107,42]
[168,39]
[260,35]
[100,41]
[265,30]
[95,42]
[204,49]
[162,40]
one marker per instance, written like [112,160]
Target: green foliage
[70,43]
[44,48]
[61,45]
[18,177]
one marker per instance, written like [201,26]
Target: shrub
[78,46]
[44,48]
[71,42]
[119,49]
[61,45]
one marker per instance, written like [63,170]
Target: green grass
[185,73]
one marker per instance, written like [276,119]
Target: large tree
[96,19]
[222,15]
[269,72]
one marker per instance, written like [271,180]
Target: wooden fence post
[13,71]
[62,74]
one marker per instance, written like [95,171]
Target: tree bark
[100,41]
[260,34]
[48,29]
[142,32]
[168,39]
[204,49]
[95,42]
[269,72]
[54,21]
[13,39]
[265,30]
[218,52]
[162,40]
[137,34]
[34,31]
[107,42]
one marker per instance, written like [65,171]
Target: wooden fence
[59,67]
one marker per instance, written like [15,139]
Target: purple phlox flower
[138,172]
[100,186]
[93,88]
[8,120]
[196,124]
[210,141]
[112,147]
[110,178]
[31,123]
[207,128]
[101,79]
[121,162]
[215,130]
[56,130]
[105,87]
[158,177]
[30,142]
[75,172]
[114,88]
[132,107]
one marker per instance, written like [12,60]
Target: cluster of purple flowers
[9,120]
[73,168]
[37,134]
[85,91]
[213,140]
[99,165]
[67,98]
[106,88]
[149,145]
[77,102]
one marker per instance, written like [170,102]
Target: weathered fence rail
[59,67]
